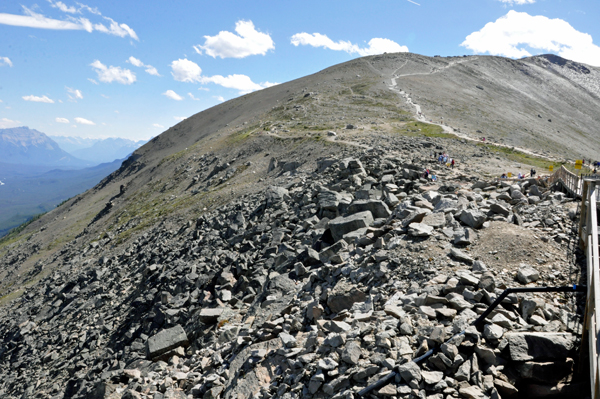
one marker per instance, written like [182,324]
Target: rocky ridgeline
[317,287]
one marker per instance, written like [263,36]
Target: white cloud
[158,126]
[32,19]
[36,99]
[512,35]
[116,29]
[248,41]
[113,74]
[220,98]
[242,83]
[62,6]
[180,118]
[149,68]
[83,121]
[88,9]
[74,94]
[135,62]
[184,70]
[519,2]
[5,61]
[6,123]
[192,97]
[376,45]
[62,120]
[172,95]
[93,81]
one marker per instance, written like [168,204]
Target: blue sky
[132,69]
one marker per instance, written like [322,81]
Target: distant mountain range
[98,150]
[21,145]
[70,144]
[36,174]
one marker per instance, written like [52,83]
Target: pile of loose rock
[317,287]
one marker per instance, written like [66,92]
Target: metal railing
[588,242]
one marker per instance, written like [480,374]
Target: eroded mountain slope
[219,212]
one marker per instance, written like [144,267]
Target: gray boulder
[461,256]
[500,209]
[414,217]
[377,208]
[410,371]
[166,340]
[329,200]
[419,230]
[472,218]
[526,275]
[343,296]
[343,225]
[435,220]
[524,346]
[535,191]
[445,205]
[276,194]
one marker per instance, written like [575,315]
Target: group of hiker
[429,175]
[444,159]
[532,173]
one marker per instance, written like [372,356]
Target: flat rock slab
[499,209]
[210,315]
[461,256]
[166,340]
[420,230]
[539,345]
[377,208]
[343,225]
[472,392]
[435,220]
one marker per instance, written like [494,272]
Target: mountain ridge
[221,236]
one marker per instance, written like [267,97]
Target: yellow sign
[579,162]
[509,174]
[551,168]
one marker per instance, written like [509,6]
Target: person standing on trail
[452,163]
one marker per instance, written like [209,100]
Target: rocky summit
[291,244]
